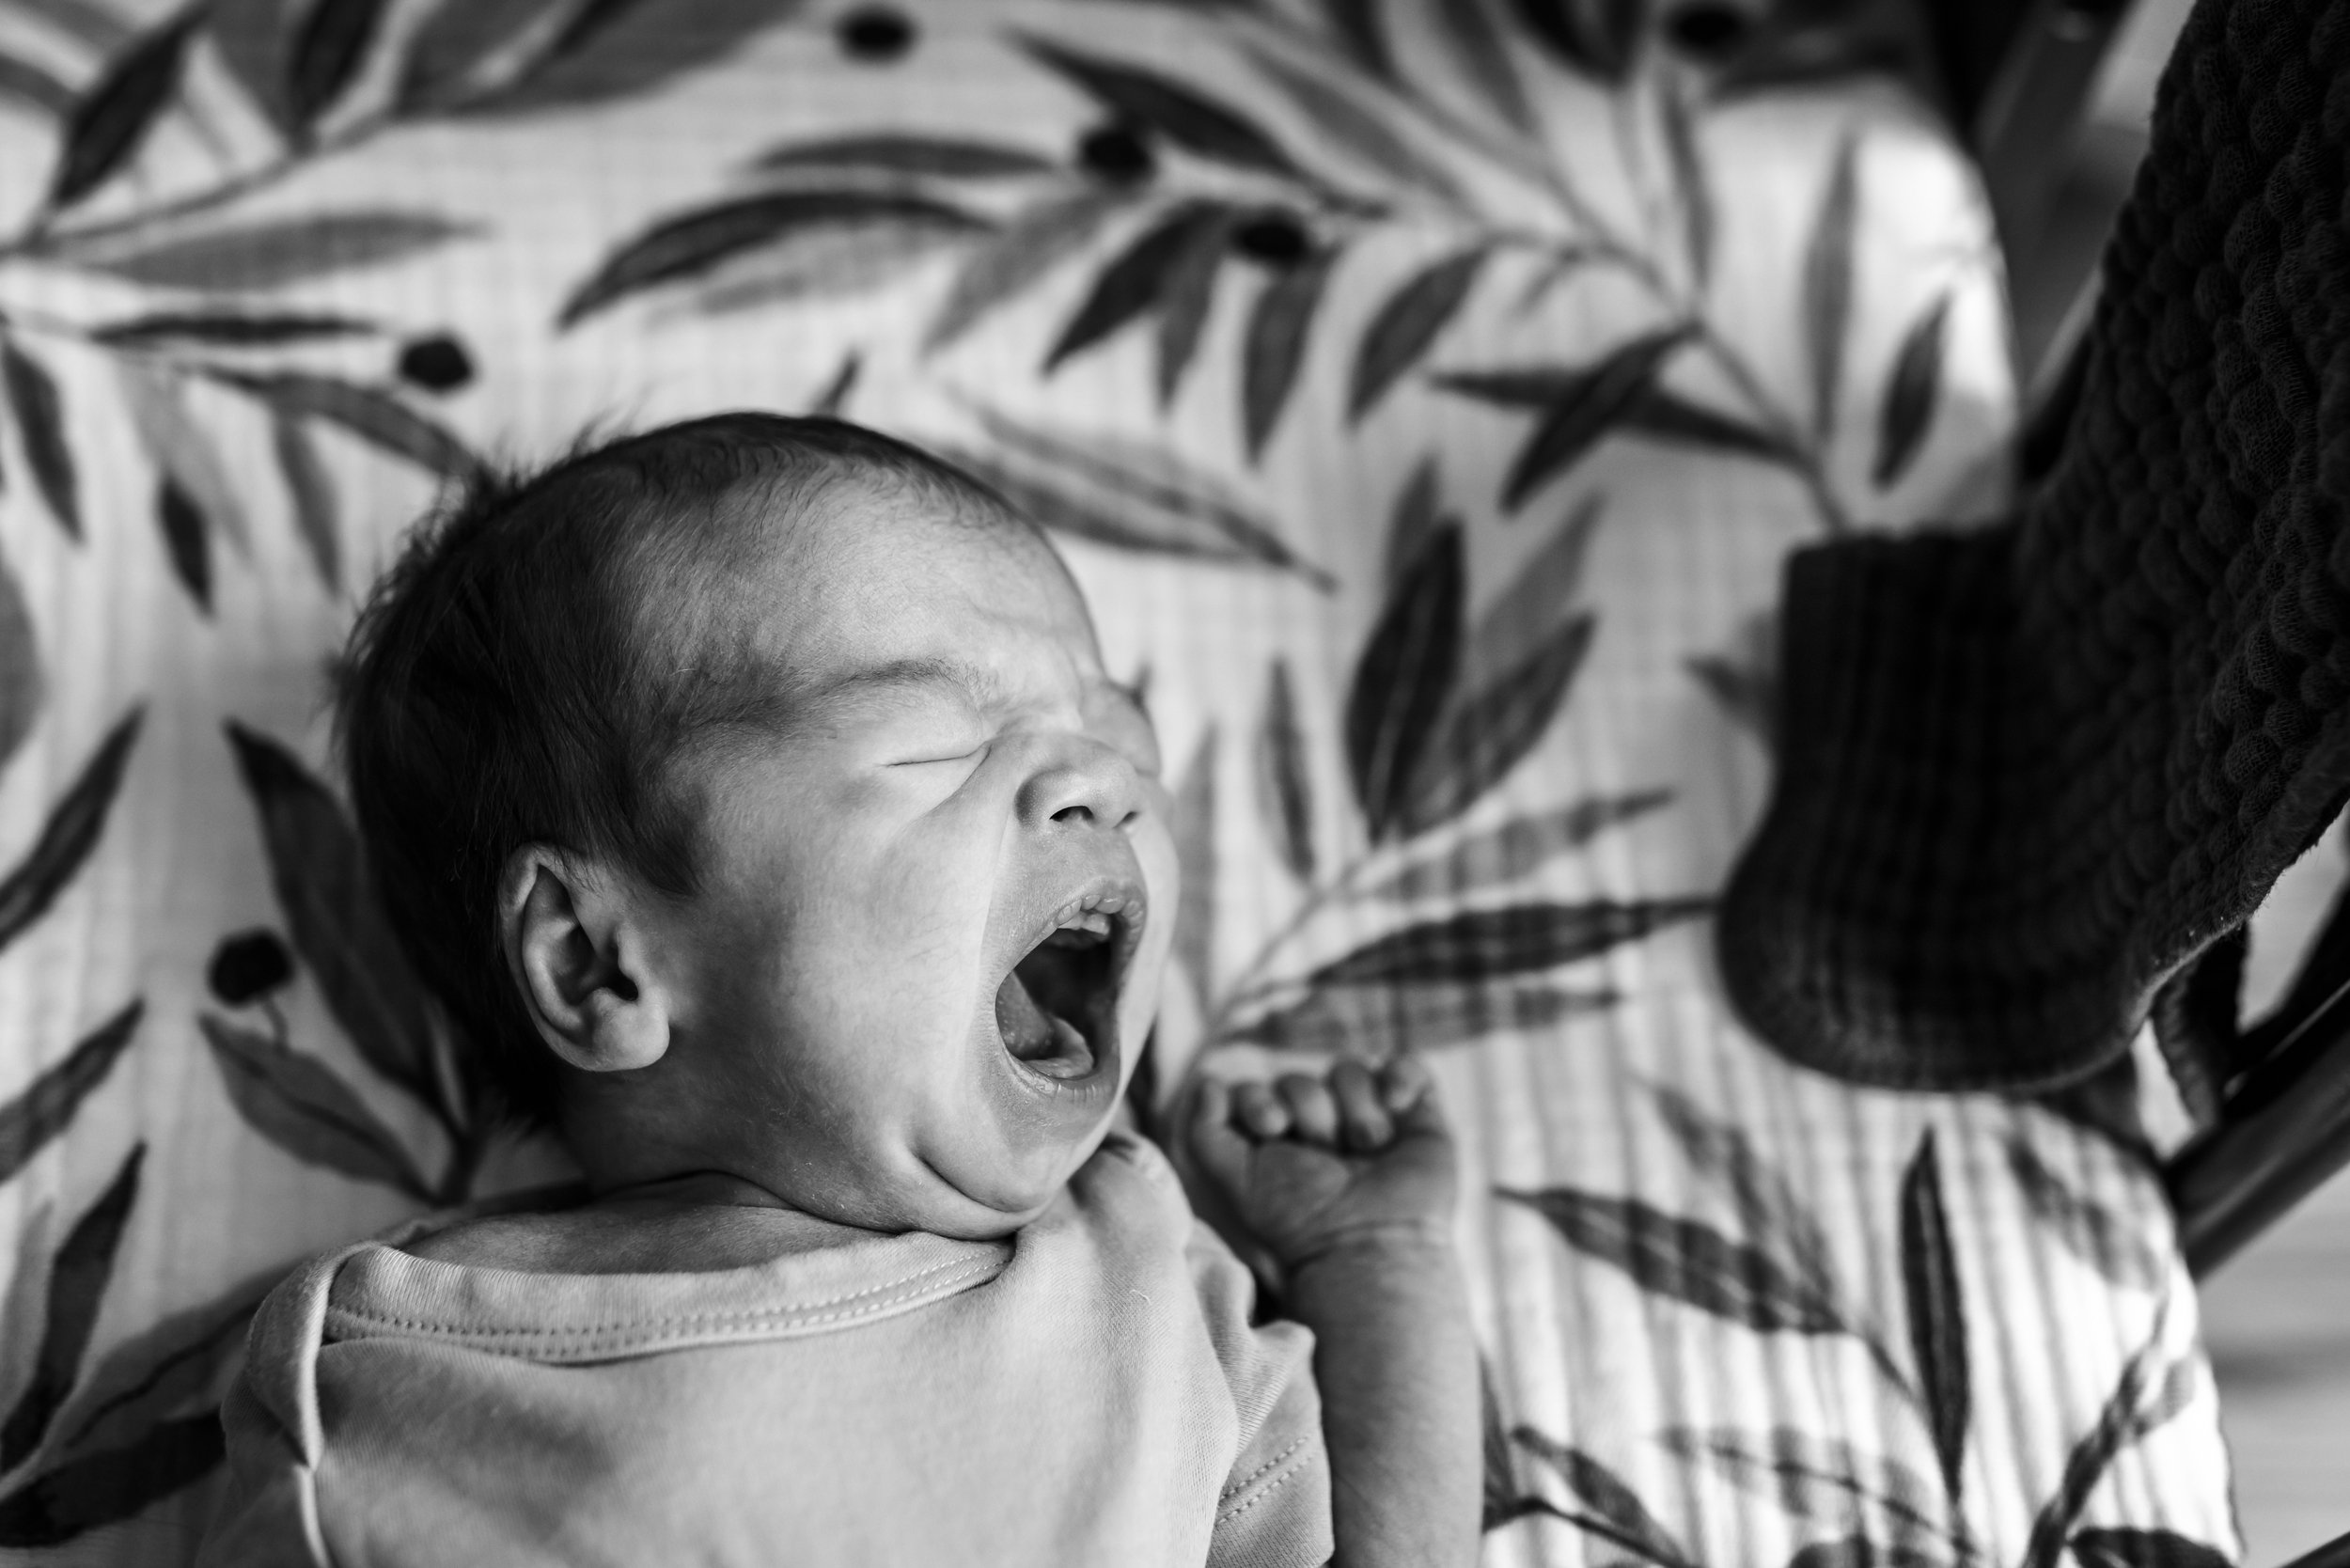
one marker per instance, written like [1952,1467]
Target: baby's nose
[1080,782]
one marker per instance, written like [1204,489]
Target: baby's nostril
[1073,813]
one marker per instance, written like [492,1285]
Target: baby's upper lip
[1118,896]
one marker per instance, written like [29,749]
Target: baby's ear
[579,957]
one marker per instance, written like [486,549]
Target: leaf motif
[332,913]
[34,86]
[1528,612]
[904,154]
[1407,323]
[1519,387]
[227,330]
[1828,284]
[1512,850]
[1690,181]
[157,1371]
[275,252]
[298,1104]
[187,540]
[1186,295]
[110,121]
[250,40]
[1476,48]
[1404,679]
[91,23]
[1585,411]
[1503,1500]
[1490,943]
[1558,24]
[1274,351]
[2119,1423]
[1811,1478]
[1016,257]
[849,258]
[197,482]
[103,1488]
[376,418]
[23,685]
[1411,524]
[77,1284]
[1683,1260]
[1136,281]
[612,49]
[1377,1022]
[2091,1232]
[1768,1207]
[2176,1393]
[1937,1313]
[1364,134]
[40,420]
[1284,785]
[1744,692]
[69,835]
[1663,416]
[2123,1547]
[1492,731]
[1141,490]
[1192,826]
[690,244]
[1357,25]
[46,1107]
[472,47]
[328,50]
[1911,394]
[1599,1489]
[835,397]
[1859,1551]
[310,495]
[1185,116]
[20,1306]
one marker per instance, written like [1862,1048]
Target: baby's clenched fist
[1311,1161]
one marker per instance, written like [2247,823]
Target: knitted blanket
[2031,774]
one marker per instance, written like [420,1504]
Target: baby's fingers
[1222,1150]
[1365,1124]
[1258,1108]
[1410,1095]
[1313,1112]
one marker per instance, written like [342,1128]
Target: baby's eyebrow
[974,683]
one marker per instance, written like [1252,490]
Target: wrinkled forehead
[863,567]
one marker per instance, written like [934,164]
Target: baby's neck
[692,1224]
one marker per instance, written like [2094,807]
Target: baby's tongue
[1028,1032]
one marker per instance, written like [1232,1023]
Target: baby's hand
[1309,1163]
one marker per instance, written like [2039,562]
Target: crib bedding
[1424,393]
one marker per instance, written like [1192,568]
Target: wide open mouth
[1058,1008]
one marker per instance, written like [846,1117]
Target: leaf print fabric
[1425,394]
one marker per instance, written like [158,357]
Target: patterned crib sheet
[1424,391]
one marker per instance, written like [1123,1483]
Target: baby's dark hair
[498,690]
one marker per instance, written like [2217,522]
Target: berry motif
[437,364]
[248,966]
[1708,30]
[876,33]
[1116,153]
[1276,238]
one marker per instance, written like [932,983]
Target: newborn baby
[753,793]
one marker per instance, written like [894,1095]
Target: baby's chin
[985,1199]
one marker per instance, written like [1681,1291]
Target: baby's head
[753,793]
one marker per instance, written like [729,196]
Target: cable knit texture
[2031,774]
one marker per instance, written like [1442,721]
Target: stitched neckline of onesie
[382,1293]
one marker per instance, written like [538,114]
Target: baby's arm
[1348,1181]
